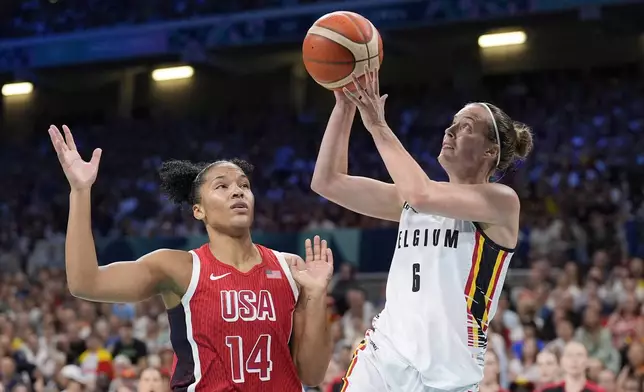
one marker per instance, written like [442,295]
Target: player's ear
[491,152]
[198,212]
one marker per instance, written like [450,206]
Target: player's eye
[245,186]
[221,186]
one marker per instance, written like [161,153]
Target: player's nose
[238,192]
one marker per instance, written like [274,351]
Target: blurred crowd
[581,188]
[573,323]
[19,18]
[581,217]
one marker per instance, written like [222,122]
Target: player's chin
[443,159]
[241,221]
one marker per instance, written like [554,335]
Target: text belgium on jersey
[437,237]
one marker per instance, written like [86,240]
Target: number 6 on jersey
[258,361]
[415,280]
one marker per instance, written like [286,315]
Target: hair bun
[523,144]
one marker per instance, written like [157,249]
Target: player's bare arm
[331,180]
[119,282]
[489,203]
[312,345]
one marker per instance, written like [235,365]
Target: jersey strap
[287,271]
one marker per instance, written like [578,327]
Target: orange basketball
[338,44]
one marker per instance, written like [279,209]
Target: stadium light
[173,73]
[502,39]
[22,88]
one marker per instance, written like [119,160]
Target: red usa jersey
[232,329]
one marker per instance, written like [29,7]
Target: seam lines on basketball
[335,31]
[338,38]
[310,60]
[364,39]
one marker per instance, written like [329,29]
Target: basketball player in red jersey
[242,317]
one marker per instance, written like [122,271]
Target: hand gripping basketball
[368,100]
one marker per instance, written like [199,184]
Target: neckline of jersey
[211,257]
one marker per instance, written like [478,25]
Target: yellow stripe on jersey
[491,289]
[352,364]
[487,264]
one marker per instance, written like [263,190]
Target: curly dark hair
[181,180]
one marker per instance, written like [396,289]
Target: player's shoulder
[162,255]
[166,258]
[506,193]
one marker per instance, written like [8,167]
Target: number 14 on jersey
[258,361]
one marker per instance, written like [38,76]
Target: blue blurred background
[577,80]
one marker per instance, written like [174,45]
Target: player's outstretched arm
[312,345]
[484,203]
[119,282]
[332,181]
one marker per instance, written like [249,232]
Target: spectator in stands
[129,346]
[124,373]
[607,380]
[340,285]
[357,319]
[95,360]
[549,370]
[597,340]
[491,373]
[8,373]
[634,368]
[333,378]
[595,367]
[524,366]
[574,360]
[565,332]
[72,379]
[530,332]
[623,322]
[151,381]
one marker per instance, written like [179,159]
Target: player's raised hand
[368,100]
[313,273]
[342,99]
[79,173]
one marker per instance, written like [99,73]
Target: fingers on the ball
[376,82]
[357,83]
[351,96]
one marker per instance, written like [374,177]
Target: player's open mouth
[239,206]
[447,147]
